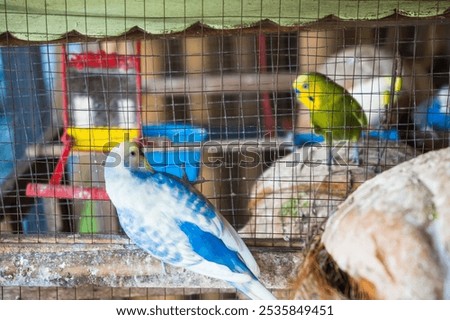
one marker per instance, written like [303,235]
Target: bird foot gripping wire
[334,158]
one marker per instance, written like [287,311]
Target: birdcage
[207,88]
[101,105]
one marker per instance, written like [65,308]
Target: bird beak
[143,161]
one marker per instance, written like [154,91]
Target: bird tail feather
[254,290]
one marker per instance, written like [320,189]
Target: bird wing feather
[358,113]
[209,220]
[134,197]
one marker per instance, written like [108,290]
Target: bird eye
[305,86]
[133,153]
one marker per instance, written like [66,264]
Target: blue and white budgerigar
[175,223]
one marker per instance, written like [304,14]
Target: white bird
[175,223]
[374,96]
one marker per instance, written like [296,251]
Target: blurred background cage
[207,85]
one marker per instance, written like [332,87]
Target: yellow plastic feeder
[100,138]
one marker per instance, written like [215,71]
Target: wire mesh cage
[212,103]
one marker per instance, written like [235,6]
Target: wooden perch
[230,83]
[111,261]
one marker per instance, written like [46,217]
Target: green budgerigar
[335,114]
